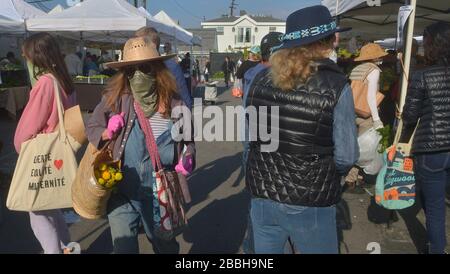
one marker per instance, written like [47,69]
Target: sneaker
[72,248]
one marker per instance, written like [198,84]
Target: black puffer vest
[428,98]
[302,171]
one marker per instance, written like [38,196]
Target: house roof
[230,19]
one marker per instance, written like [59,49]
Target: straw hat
[371,51]
[136,51]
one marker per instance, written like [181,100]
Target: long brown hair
[43,51]
[292,67]
[165,85]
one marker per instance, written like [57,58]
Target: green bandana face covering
[143,87]
[31,70]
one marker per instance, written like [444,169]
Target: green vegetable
[386,138]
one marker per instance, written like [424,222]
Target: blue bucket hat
[255,49]
[308,25]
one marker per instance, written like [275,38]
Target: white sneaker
[72,248]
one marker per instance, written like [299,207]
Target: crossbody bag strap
[149,137]
[399,132]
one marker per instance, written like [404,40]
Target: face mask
[143,88]
[31,70]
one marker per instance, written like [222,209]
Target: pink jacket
[40,114]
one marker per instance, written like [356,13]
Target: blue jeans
[312,229]
[132,205]
[433,173]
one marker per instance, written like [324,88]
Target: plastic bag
[370,160]
[236,91]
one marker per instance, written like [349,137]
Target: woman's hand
[115,125]
[186,163]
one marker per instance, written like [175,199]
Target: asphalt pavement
[218,211]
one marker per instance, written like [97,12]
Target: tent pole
[407,55]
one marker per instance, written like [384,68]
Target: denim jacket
[137,165]
[345,136]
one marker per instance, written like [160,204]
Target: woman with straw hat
[371,57]
[142,89]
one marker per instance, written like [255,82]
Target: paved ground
[217,214]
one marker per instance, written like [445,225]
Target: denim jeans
[132,205]
[311,229]
[432,173]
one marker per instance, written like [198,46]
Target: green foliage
[218,75]
[386,138]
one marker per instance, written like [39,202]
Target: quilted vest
[302,170]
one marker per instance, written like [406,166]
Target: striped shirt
[362,71]
[159,124]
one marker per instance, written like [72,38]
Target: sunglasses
[129,71]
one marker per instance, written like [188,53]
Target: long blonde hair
[292,67]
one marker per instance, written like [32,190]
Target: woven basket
[90,200]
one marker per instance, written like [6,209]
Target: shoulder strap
[59,106]
[149,137]
[399,132]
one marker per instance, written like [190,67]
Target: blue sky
[191,12]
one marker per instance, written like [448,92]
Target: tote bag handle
[62,128]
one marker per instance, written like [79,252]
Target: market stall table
[89,95]
[14,99]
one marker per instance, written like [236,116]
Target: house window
[272,29]
[244,35]
[219,30]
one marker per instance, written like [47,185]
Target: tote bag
[169,218]
[360,90]
[45,169]
[395,187]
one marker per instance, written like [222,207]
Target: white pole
[407,55]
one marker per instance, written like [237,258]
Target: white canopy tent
[56,9]
[96,20]
[381,21]
[14,13]
[180,33]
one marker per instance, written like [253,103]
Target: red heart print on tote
[58,164]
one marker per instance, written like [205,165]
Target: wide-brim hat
[136,51]
[309,25]
[371,51]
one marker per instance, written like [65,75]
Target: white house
[234,33]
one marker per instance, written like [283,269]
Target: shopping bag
[45,169]
[236,91]
[395,187]
[359,91]
[370,160]
[90,200]
[168,200]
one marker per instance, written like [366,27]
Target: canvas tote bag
[396,184]
[45,169]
